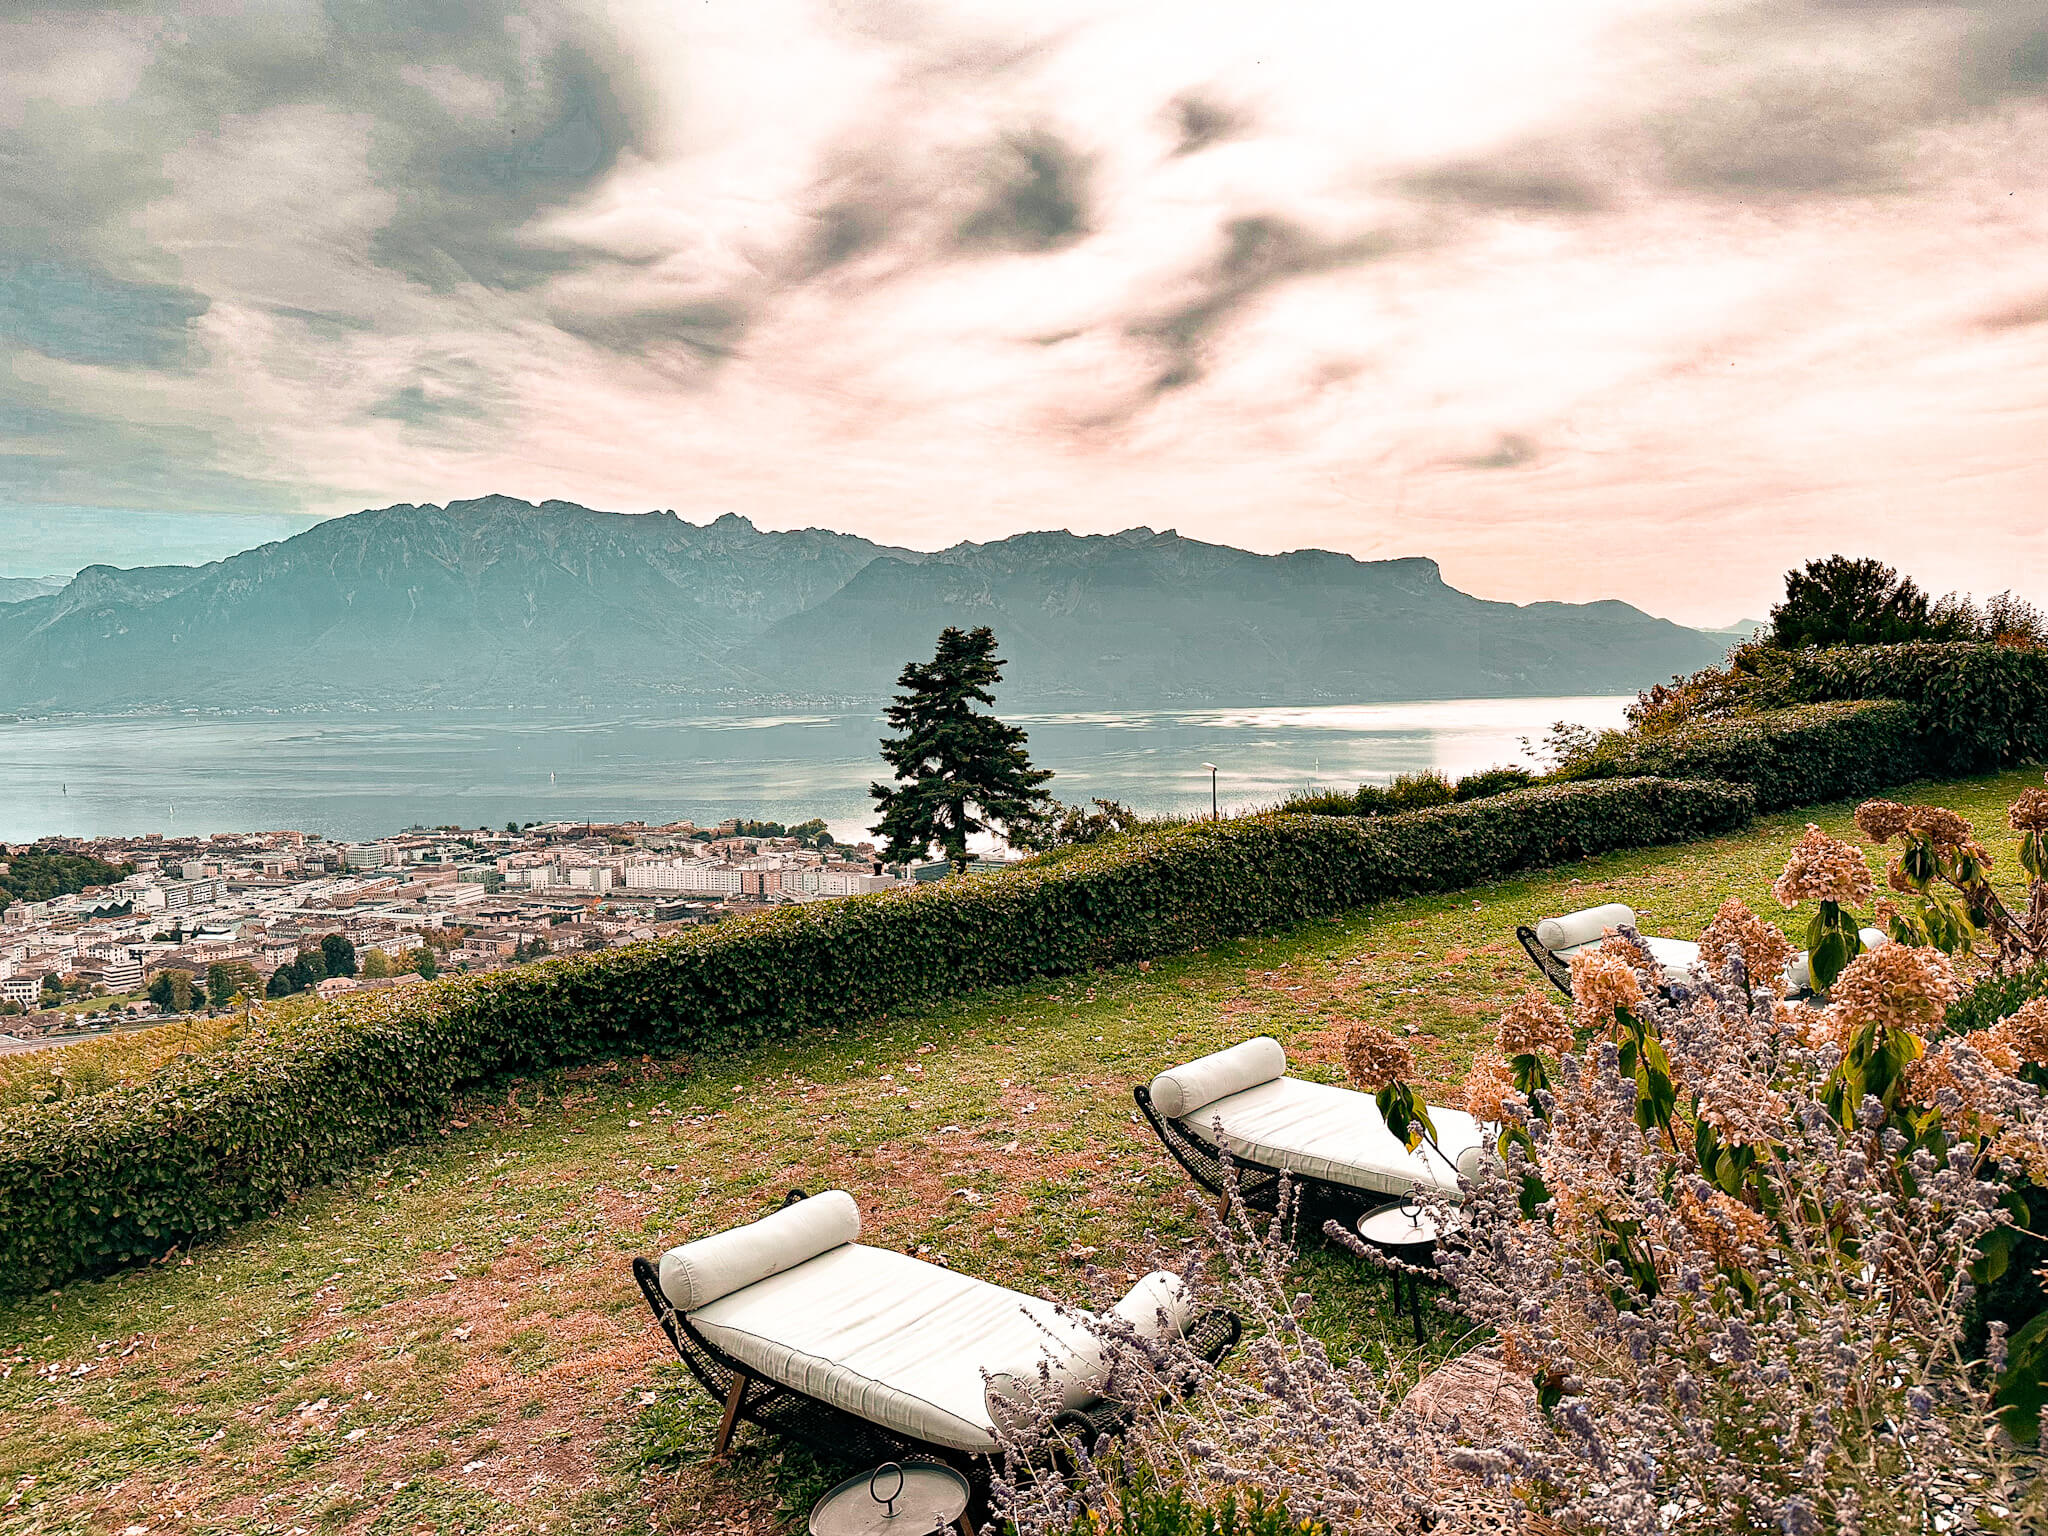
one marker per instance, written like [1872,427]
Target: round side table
[1406,1233]
[918,1498]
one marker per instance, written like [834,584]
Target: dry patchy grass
[452,1341]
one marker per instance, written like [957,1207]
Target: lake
[356,776]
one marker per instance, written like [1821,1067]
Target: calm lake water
[356,776]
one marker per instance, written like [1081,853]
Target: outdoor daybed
[795,1325]
[1330,1141]
[1553,942]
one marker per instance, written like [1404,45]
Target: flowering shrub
[1943,874]
[1732,1243]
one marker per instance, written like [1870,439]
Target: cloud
[1259,253]
[1511,450]
[1200,121]
[899,267]
[1037,197]
[78,315]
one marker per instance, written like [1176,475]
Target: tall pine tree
[958,771]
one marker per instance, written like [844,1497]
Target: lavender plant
[1732,1242]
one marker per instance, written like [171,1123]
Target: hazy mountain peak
[494,600]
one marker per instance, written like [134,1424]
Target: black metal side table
[1407,1234]
[918,1498]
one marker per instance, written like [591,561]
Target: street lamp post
[1213,816]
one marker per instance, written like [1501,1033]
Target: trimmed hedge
[1980,707]
[90,1184]
[1801,756]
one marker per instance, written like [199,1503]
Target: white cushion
[1584,927]
[1155,1308]
[1179,1091]
[1673,956]
[891,1339]
[1337,1135]
[1799,969]
[701,1272]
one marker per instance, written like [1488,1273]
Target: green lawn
[454,1342]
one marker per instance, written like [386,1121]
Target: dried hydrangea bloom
[1601,983]
[1489,1090]
[1996,1046]
[1535,1026]
[1722,1225]
[1824,868]
[1895,876]
[1940,826]
[1881,820]
[1818,1027]
[1938,1073]
[1896,986]
[1737,931]
[2029,813]
[1373,1059]
[1743,1112]
[2026,1032]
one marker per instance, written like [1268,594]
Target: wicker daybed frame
[1557,972]
[747,1397]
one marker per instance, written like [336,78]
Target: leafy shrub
[1325,802]
[90,1184]
[1418,791]
[1407,792]
[1979,706]
[1489,782]
[1997,997]
[1798,756]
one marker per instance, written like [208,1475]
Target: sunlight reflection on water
[359,775]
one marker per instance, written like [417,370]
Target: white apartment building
[703,877]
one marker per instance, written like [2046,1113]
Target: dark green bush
[90,1184]
[1979,707]
[1419,791]
[1800,756]
[1321,802]
[1408,792]
[1997,997]
[1493,781]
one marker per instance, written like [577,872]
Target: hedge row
[1800,756]
[1980,707]
[93,1183]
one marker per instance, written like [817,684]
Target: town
[230,919]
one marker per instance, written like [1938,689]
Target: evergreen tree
[283,983]
[958,771]
[1839,601]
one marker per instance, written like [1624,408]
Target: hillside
[460,1323]
[498,601]
[490,601]
[19,589]
[1138,617]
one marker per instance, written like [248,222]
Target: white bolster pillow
[697,1274]
[1155,1308]
[1799,969]
[1180,1091]
[1586,927]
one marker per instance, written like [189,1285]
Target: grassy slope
[454,1342]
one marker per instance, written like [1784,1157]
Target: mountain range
[497,601]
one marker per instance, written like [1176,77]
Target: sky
[1584,299]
